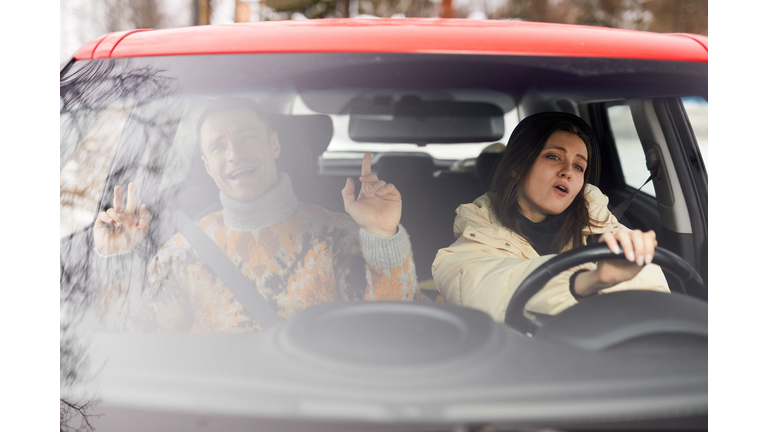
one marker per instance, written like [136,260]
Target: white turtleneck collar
[274,206]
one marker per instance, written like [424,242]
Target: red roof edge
[109,42]
[400,35]
[703,40]
[86,51]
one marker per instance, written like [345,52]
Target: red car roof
[413,35]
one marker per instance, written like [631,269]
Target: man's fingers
[348,193]
[118,202]
[366,165]
[117,219]
[369,178]
[104,220]
[375,187]
[130,206]
[389,193]
[144,218]
[367,182]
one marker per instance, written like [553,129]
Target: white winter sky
[29,308]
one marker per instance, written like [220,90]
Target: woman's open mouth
[561,190]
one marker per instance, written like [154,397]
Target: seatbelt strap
[618,212]
[241,287]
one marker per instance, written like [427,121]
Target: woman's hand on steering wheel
[638,247]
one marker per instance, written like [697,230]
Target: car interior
[432,189]
[363,98]
[588,353]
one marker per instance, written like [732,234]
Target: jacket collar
[478,222]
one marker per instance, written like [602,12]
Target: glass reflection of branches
[98,104]
[98,81]
[88,87]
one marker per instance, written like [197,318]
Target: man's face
[239,154]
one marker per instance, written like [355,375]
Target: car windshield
[160,101]
[159,139]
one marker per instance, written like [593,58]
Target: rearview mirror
[413,120]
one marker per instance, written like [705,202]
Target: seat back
[430,198]
[485,168]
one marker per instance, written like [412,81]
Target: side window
[630,150]
[84,171]
[697,110]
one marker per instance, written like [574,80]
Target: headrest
[395,166]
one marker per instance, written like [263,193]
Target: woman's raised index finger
[366,165]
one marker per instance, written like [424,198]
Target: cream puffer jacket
[488,261]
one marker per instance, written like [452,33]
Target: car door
[634,135]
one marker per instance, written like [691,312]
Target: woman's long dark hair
[525,144]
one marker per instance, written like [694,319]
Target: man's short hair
[228,103]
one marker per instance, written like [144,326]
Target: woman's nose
[566,171]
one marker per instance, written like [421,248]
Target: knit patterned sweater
[296,254]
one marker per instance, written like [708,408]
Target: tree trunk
[242,11]
[345,8]
[446,11]
[203,12]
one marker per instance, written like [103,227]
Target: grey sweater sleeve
[386,252]
[390,271]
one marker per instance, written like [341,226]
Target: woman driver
[540,204]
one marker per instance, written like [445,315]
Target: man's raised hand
[117,229]
[378,207]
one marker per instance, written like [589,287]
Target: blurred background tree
[132,14]
[667,16]
[664,16]
[308,8]
[351,8]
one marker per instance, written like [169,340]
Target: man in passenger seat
[296,254]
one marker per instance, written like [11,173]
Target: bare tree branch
[79,413]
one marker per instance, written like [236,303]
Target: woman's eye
[579,168]
[552,157]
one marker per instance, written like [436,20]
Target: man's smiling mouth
[242,173]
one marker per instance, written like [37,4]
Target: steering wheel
[688,321]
